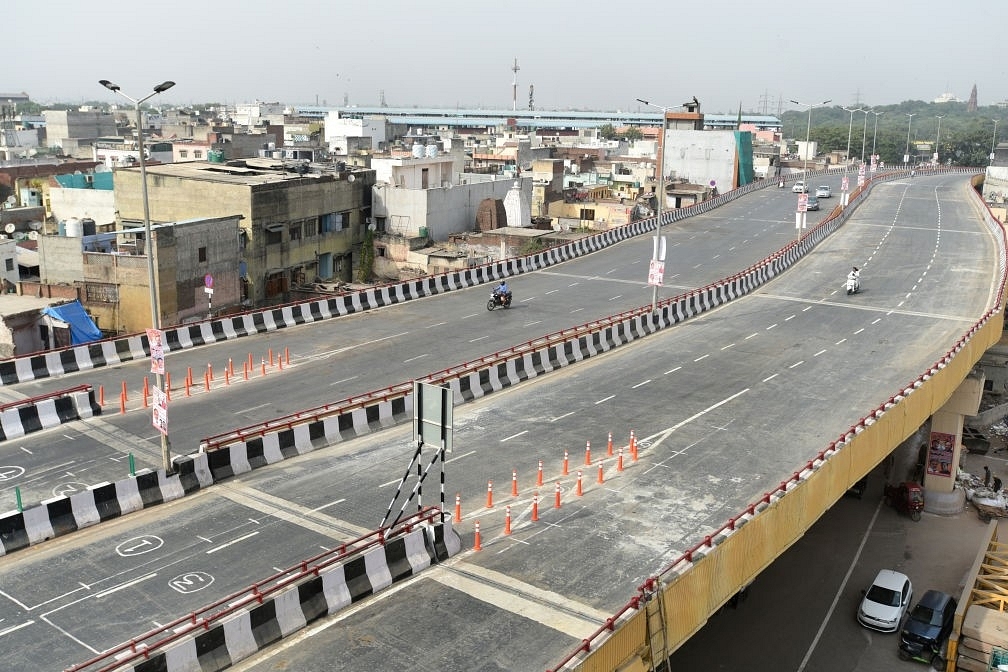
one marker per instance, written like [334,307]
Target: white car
[799,187]
[886,601]
[823,191]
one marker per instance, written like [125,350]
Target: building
[300,223]
[62,125]
[110,272]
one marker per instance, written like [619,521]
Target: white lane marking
[751,335]
[407,361]
[672,370]
[789,318]
[796,364]
[561,417]
[473,340]
[771,327]
[819,353]
[514,436]
[600,401]
[730,345]
[232,542]
[577,310]
[121,586]
[344,380]
[859,331]
[25,450]
[641,384]
[770,377]
[326,506]
[529,324]
[840,341]
[877,320]
[439,324]
[701,357]
[614,298]
[15,627]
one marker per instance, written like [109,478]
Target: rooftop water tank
[74,229]
[431,151]
[215,156]
[418,150]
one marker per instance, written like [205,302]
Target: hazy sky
[453,53]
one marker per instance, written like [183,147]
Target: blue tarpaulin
[82,327]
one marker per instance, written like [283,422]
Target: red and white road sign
[656,273]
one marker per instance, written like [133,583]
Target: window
[274,233]
[198,154]
[9,264]
[588,214]
[183,153]
[295,232]
[202,254]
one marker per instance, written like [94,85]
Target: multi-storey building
[299,223]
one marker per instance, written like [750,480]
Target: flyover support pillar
[944,447]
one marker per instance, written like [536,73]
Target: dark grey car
[928,627]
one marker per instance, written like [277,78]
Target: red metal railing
[42,397]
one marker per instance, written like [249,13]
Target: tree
[607,132]
[633,133]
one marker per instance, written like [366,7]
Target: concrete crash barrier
[25,416]
[105,501]
[241,625]
[135,346]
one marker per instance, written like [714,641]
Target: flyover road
[726,406]
[338,358]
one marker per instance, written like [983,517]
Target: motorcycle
[498,300]
[853,282]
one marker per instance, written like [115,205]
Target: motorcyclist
[855,277]
[501,291]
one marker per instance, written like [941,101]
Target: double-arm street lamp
[155,314]
[874,133]
[660,179]
[850,127]
[808,130]
[906,154]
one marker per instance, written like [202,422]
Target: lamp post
[660,179]
[874,133]
[850,127]
[864,134]
[155,314]
[993,142]
[937,138]
[808,130]
[906,154]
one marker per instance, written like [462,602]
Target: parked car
[812,204]
[823,191]
[927,627]
[799,187]
[886,602]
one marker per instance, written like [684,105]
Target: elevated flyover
[713,402]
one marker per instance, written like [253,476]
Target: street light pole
[155,313]
[660,179]
[808,130]
[937,139]
[993,142]
[906,154]
[875,132]
[864,134]
[850,127]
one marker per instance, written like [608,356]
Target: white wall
[338,129]
[701,156]
[8,257]
[443,211]
[98,204]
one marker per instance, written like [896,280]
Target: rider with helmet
[501,292]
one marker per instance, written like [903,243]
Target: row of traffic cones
[534,513]
[276,360]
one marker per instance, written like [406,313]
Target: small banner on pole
[156,339]
[160,411]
